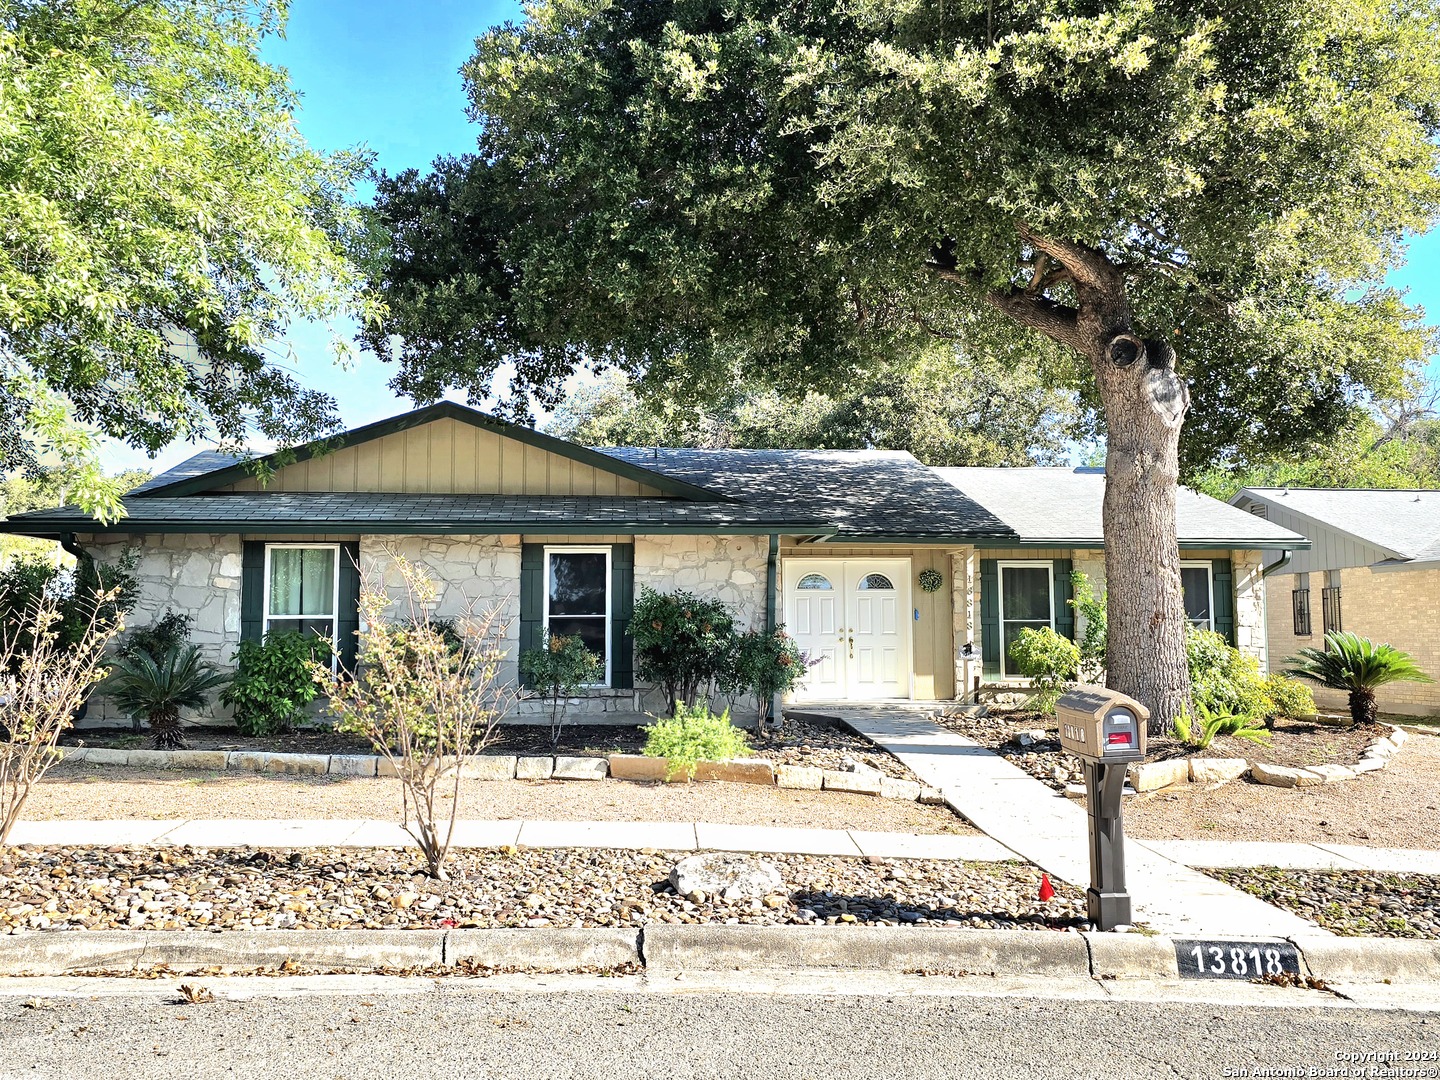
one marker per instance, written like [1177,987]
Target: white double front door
[851,619]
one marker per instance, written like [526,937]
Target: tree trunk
[166,731]
[1364,709]
[1144,405]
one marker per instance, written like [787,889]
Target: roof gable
[444,448]
[1402,523]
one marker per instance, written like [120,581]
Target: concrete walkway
[661,835]
[1051,831]
[1240,853]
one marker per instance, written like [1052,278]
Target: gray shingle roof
[371,512]
[1404,522]
[1065,505]
[863,492]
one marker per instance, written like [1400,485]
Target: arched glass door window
[814,581]
[875,581]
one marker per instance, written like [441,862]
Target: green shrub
[692,735]
[156,688]
[1200,731]
[170,631]
[767,666]
[558,669]
[1091,617]
[683,644]
[1288,697]
[1358,665]
[87,597]
[1223,680]
[1049,660]
[273,682]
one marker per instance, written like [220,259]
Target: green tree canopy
[161,222]
[681,186]
[943,409]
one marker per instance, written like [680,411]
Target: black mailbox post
[1106,731]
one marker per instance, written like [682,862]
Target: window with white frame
[302,582]
[577,597]
[1027,599]
[1197,581]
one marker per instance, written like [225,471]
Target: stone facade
[1398,606]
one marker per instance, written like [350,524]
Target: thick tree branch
[1040,313]
[1086,266]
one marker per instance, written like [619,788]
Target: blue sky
[385,75]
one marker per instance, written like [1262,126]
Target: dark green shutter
[252,590]
[347,610]
[532,596]
[1224,598]
[622,602]
[1064,613]
[990,618]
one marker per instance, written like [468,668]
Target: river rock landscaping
[52,889]
[1353,903]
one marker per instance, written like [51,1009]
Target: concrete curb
[670,949]
[664,950]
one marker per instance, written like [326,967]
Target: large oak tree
[1185,208]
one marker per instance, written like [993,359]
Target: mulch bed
[56,888]
[1353,903]
[1293,742]
[799,742]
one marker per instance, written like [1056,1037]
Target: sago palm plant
[1358,665]
[155,690]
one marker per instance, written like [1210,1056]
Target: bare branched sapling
[426,697]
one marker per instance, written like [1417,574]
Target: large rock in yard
[1217,770]
[727,875]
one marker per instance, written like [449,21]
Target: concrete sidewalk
[1051,831]
[661,835]
[1241,853]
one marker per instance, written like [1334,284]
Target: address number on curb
[1235,959]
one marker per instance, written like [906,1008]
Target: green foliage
[802,191]
[156,689]
[157,192]
[683,643]
[945,409]
[1049,660]
[1092,618]
[1223,680]
[1358,665]
[1288,697]
[1200,731]
[559,669]
[692,735]
[169,632]
[42,489]
[274,681]
[767,666]
[90,596]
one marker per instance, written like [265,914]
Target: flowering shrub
[683,644]
[767,666]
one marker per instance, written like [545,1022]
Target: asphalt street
[468,1030]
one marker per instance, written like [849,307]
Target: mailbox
[1102,725]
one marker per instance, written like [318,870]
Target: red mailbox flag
[1047,891]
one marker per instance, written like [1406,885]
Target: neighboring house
[831,544]
[1373,568]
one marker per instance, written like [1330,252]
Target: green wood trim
[990,618]
[252,590]
[1064,613]
[441,410]
[1223,597]
[347,605]
[532,597]
[622,604]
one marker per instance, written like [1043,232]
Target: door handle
[851,640]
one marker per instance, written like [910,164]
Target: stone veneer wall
[1401,607]
[194,573]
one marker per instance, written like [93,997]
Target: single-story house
[832,544]
[1373,568]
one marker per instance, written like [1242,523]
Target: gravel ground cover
[1398,806]
[1353,903]
[190,888]
[799,742]
[77,790]
[1293,742]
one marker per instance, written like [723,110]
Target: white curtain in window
[302,581]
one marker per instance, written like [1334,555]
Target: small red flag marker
[1047,891]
